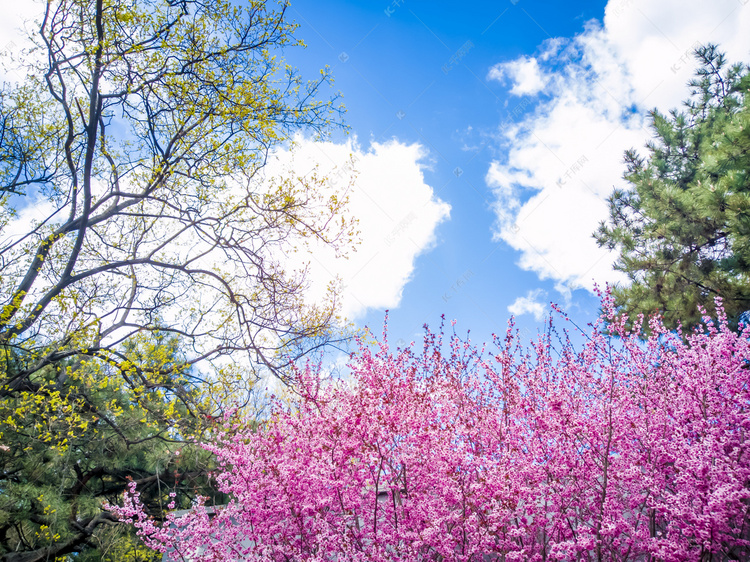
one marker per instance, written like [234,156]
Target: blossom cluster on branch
[622,450]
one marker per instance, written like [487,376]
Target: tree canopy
[137,143]
[682,227]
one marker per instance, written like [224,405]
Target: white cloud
[397,215]
[15,27]
[565,156]
[28,216]
[530,304]
[524,73]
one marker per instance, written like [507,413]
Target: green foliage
[683,226]
[80,436]
[139,135]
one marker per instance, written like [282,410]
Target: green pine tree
[80,435]
[683,226]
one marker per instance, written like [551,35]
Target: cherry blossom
[623,450]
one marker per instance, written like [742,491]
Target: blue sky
[416,72]
[521,111]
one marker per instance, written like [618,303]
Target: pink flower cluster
[624,450]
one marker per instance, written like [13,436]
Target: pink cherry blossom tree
[624,450]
